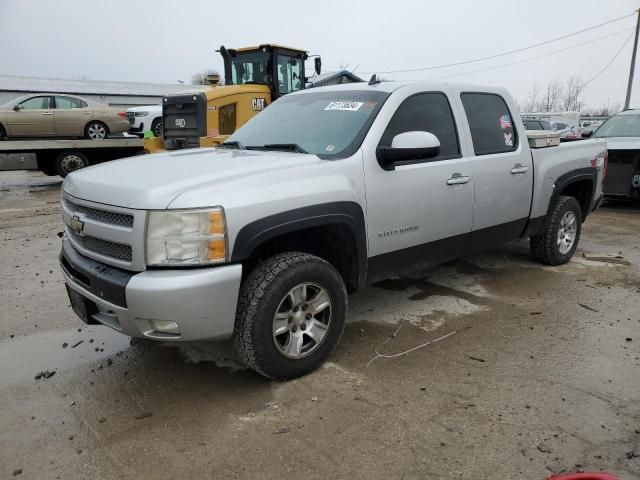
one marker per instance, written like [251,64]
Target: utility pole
[633,64]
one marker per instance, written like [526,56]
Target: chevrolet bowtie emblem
[76,224]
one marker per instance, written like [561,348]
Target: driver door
[34,118]
[421,212]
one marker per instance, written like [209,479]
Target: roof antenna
[374,79]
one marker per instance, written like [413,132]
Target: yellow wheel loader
[253,77]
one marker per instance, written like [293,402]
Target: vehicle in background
[622,133]
[58,115]
[593,124]
[254,77]
[531,124]
[145,119]
[328,189]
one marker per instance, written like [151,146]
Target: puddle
[22,358]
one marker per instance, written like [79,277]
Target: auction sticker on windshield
[344,106]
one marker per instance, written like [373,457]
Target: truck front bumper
[202,301]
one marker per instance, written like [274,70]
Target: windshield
[250,67]
[327,124]
[620,126]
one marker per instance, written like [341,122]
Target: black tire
[262,293]
[156,127]
[70,161]
[545,246]
[99,126]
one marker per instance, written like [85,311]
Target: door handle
[86,113]
[47,113]
[518,168]
[458,179]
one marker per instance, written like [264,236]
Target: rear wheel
[156,127]
[70,161]
[291,315]
[96,131]
[558,242]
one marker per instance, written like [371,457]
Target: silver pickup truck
[261,239]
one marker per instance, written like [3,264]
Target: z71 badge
[258,104]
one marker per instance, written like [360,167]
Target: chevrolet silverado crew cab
[261,239]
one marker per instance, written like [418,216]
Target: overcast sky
[166,41]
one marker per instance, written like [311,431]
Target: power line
[508,52]
[534,58]
[608,64]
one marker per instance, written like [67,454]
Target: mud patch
[41,351]
[222,354]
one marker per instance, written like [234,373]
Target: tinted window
[69,102]
[36,103]
[289,70]
[546,125]
[427,112]
[490,123]
[532,125]
[560,126]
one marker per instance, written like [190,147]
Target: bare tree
[200,78]
[571,94]
[531,104]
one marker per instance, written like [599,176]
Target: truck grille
[131,117]
[103,247]
[100,215]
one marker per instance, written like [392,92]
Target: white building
[117,94]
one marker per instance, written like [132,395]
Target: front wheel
[291,315]
[156,127]
[558,242]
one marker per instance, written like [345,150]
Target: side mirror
[17,108]
[587,132]
[408,146]
[317,64]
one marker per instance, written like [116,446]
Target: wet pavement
[541,375]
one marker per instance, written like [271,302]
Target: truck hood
[154,181]
[622,143]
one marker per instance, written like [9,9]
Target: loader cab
[280,68]
[254,77]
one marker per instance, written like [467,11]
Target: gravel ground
[540,376]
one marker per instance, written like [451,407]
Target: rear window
[490,122]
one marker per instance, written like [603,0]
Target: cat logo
[76,224]
[181,122]
[258,104]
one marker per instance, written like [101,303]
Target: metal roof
[328,76]
[88,87]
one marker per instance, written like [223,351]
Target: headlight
[141,114]
[186,237]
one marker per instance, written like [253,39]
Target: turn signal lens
[216,222]
[217,250]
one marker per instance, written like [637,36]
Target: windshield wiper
[232,144]
[285,146]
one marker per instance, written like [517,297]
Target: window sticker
[508,139]
[344,106]
[505,122]
[330,148]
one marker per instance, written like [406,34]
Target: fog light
[165,326]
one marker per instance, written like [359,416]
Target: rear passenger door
[70,116]
[503,171]
[416,214]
